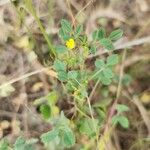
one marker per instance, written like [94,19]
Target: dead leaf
[37,86]
[145,98]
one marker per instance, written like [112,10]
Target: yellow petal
[70,43]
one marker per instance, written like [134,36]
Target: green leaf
[106,43]
[72,74]
[122,120]
[93,49]
[68,137]
[4,145]
[101,33]
[22,144]
[112,60]
[121,108]
[115,120]
[61,49]
[28,147]
[95,35]
[116,34]
[66,25]
[62,121]
[52,97]
[31,141]
[127,79]
[63,35]
[105,81]
[59,65]
[49,136]
[99,63]
[102,115]
[61,131]
[83,39]
[45,111]
[78,31]
[19,144]
[86,126]
[108,73]
[62,76]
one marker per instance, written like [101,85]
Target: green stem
[81,112]
[33,12]
[96,74]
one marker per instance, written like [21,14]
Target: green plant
[119,118]
[48,106]
[62,132]
[20,144]
[74,76]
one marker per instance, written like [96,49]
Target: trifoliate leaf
[115,120]
[72,74]
[95,35]
[68,137]
[121,108]
[63,35]
[22,144]
[101,33]
[107,72]
[112,60]
[49,136]
[116,34]
[78,31]
[59,65]
[122,120]
[62,76]
[106,81]
[66,25]
[99,63]
[83,39]
[19,144]
[61,49]
[106,43]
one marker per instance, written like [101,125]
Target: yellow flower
[70,43]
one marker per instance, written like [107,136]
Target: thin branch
[141,109]
[46,70]
[91,1]
[93,90]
